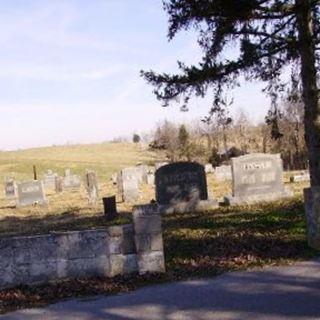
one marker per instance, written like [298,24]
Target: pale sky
[69,71]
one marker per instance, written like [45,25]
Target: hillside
[104,158]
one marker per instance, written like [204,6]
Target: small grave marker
[10,189]
[110,207]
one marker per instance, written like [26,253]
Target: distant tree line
[219,138]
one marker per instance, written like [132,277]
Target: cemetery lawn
[197,246]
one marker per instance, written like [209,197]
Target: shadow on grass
[69,220]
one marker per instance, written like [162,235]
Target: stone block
[147,225]
[123,264]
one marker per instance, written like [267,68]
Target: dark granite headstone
[257,177]
[110,207]
[180,182]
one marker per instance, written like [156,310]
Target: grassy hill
[104,158]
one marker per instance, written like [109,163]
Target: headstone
[257,177]
[110,207]
[114,178]
[301,177]
[223,173]
[128,184]
[150,179]
[10,189]
[71,181]
[49,180]
[31,192]
[181,182]
[148,238]
[58,184]
[208,168]
[91,184]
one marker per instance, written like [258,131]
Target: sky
[69,71]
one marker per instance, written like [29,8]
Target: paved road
[275,293]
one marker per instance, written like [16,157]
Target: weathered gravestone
[148,238]
[114,178]
[31,192]
[71,181]
[59,184]
[223,173]
[150,179]
[181,187]
[208,168]
[10,189]
[49,180]
[302,176]
[128,184]
[91,184]
[257,177]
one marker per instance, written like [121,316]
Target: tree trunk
[310,89]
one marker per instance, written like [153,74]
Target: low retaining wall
[38,259]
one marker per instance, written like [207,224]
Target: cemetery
[70,233]
[206,208]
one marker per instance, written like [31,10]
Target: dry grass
[70,210]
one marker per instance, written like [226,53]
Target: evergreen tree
[269,37]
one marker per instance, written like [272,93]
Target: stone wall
[38,259]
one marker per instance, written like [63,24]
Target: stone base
[187,207]
[312,209]
[233,201]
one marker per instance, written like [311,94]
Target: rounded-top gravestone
[180,182]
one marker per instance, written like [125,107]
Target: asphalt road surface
[291,292]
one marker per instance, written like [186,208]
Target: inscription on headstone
[257,177]
[180,182]
[31,192]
